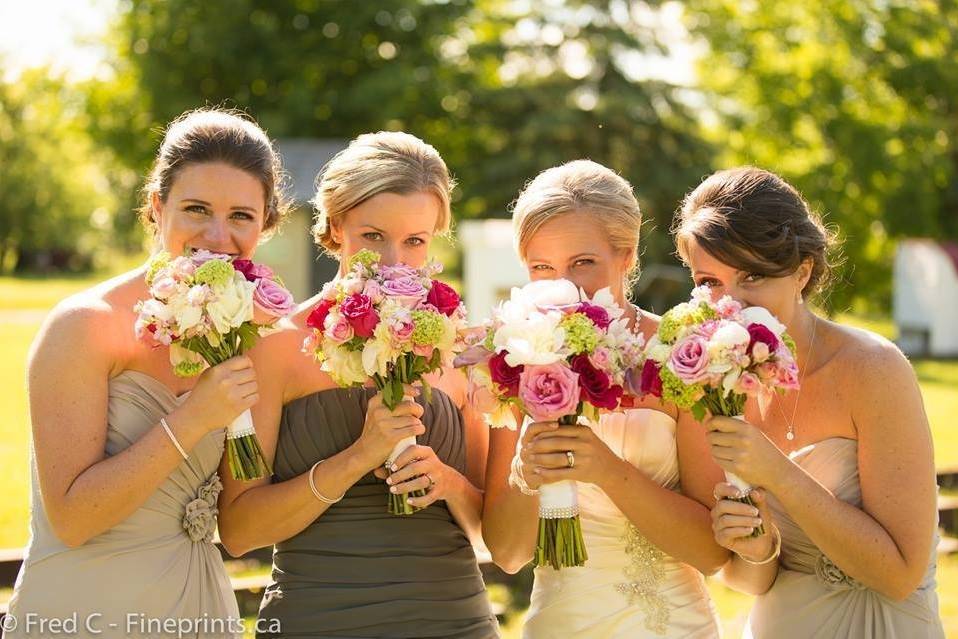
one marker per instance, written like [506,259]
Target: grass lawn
[22,302]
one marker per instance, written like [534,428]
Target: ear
[156,204]
[804,273]
[629,259]
[335,229]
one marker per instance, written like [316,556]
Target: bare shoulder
[452,382]
[868,357]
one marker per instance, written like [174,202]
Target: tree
[853,102]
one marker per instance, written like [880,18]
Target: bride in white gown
[645,476]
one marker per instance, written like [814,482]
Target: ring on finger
[570,457]
[432,482]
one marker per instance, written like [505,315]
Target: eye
[415,241]
[711,282]
[373,236]
[541,267]
[242,215]
[196,208]
[585,261]
[753,278]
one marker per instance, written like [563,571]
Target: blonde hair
[374,163]
[586,187]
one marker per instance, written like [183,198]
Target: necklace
[790,432]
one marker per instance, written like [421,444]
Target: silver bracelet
[319,495]
[173,439]
[516,480]
[776,550]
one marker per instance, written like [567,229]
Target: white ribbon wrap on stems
[559,500]
[241,426]
[400,446]
[740,484]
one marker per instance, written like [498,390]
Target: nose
[389,254]
[217,234]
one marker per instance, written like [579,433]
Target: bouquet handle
[243,451]
[399,504]
[744,489]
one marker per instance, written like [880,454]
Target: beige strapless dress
[628,587]
[812,597]
[158,564]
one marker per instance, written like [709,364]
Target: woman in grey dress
[342,566]
[845,462]
[124,454]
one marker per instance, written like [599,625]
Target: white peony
[603,297]
[551,293]
[760,315]
[729,335]
[536,339]
[233,304]
[378,352]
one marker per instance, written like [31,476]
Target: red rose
[251,270]
[651,382]
[761,333]
[443,297]
[507,377]
[359,312]
[594,384]
[317,317]
[598,315]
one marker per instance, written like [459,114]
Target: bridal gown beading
[157,564]
[628,587]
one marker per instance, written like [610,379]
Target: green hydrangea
[681,316]
[157,262]
[677,392]
[581,335]
[188,369]
[428,328]
[365,257]
[789,342]
[214,273]
[490,341]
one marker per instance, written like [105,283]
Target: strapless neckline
[128,372]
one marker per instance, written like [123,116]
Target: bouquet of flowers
[394,324]
[712,356]
[207,308]
[553,354]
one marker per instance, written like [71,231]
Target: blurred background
[853,101]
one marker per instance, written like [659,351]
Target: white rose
[344,366]
[187,315]
[377,353]
[760,315]
[233,304]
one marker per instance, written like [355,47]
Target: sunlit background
[854,101]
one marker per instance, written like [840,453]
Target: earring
[799,299]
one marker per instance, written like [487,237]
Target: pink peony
[690,359]
[358,310]
[443,297]
[270,301]
[549,391]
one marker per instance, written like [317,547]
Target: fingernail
[392,489]
[536,470]
[757,522]
[394,468]
[389,480]
[754,512]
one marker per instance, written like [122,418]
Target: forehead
[387,211]
[568,234]
[218,183]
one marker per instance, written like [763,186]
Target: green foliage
[853,102]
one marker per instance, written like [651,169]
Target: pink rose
[748,384]
[397,272]
[443,297]
[650,382]
[401,328]
[423,350]
[690,359]
[549,392]
[787,376]
[163,287]
[251,270]
[358,309]
[408,291]
[198,295]
[760,352]
[707,328]
[598,315]
[373,291]
[270,301]
[338,328]
[727,307]
[601,357]
[202,256]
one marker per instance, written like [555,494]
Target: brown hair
[586,187]
[374,163]
[753,220]
[216,135]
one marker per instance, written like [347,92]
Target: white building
[926,297]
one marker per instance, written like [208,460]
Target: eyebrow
[379,230]
[205,203]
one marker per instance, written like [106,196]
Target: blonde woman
[645,475]
[124,453]
[343,567]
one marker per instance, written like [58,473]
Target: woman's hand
[733,523]
[384,428]
[222,393]
[526,466]
[419,468]
[591,460]
[741,448]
